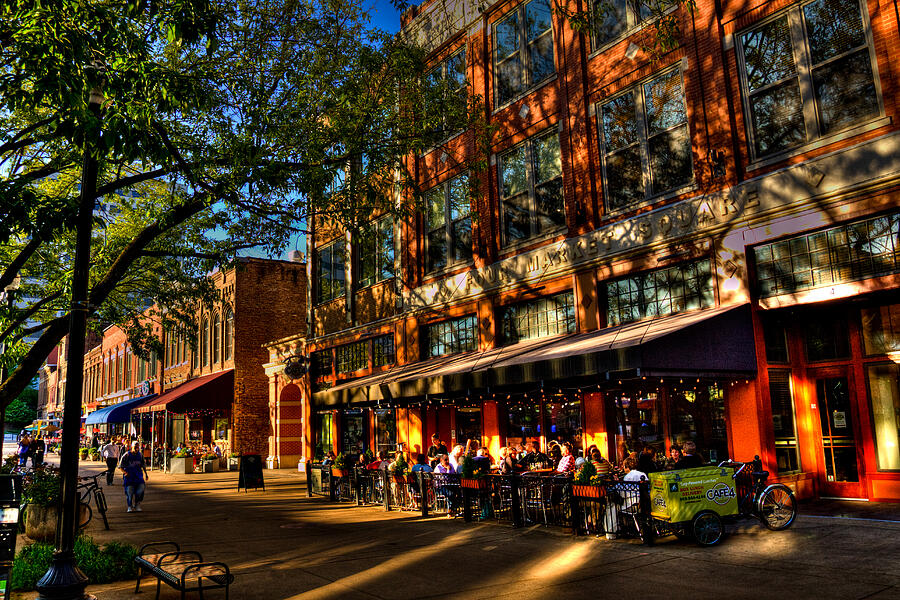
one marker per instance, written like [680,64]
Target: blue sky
[385,16]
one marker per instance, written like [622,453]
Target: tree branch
[19,261]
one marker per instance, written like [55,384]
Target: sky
[385,16]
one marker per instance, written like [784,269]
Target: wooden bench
[184,571]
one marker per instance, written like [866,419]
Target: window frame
[229,335]
[450,247]
[540,305]
[455,324]
[522,53]
[804,67]
[347,354]
[217,338]
[634,22]
[373,229]
[332,295]
[383,356]
[643,141]
[463,90]
[531,192]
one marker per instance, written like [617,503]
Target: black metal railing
[615,509]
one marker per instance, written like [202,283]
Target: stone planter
[40,521]
[181,466]
[587,491]
[210,466]
[234,463]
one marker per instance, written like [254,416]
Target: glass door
[839,473]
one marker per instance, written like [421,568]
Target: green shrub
[585,475]
[340,461]
[400,466]
[41,487]
[113,562]
[468,467]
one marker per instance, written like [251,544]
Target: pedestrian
[134,470]
[24,449]
[111,452]
[39,446]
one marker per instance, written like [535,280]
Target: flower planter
[473,484]
[181,465]
[339,472]
[210,466]
[587,491]
[234,463]
[40,521]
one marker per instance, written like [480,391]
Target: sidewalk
[280,545]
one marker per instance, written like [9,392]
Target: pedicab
[695,503]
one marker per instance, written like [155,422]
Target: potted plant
[182,462]
[94,454]
[586,483]
[210,462]
[339,469]
[41,496]
[234,461]
[399,469]
[470,474]
[83,453]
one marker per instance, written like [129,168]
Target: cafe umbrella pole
[63,580]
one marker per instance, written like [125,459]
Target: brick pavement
[282,545]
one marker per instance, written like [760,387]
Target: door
[468,425]
[354,433]
[839,472]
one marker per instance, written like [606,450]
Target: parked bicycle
[89,488]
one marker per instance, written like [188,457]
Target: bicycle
[90,488]
[774,505]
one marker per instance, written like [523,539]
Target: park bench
[184,571]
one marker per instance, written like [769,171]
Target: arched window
[229,335]
[204,341]
[217,338]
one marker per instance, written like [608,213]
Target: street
[280,544]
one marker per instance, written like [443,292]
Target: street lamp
[9,293]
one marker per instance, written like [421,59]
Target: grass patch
[112,562]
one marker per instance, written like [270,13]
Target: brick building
[48,378]
[703,244]
[207,385]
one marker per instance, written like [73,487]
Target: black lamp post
[63,580]
[9,292]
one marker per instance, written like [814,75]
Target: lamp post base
[63,580]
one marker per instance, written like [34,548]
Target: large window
[204,341]
[449,224]
[523,49]
[523,423]
[851,252]
[383,350]
[699,415]
[881,329]
[217,339]
[613,18]
[324,434]
[807,73]
[645,142]
[563,421]
[330,274]
[451,337]
[781,399]
[531,189]
[229,334]
[662,292]
[353,357]
[539,318]
[884,387]
[385,429]
[321,364]
[448,81]
[376,251]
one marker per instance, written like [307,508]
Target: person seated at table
[486,454]
[507,464]
[520,451]
[691,458]
[675,455]
[533,459]
[632,473]
[421,465]
[566,462]
[329,459]
[376,464]
[455,456]
[554,452]
[363,461]
[482,461]
[647,459]
[600,464]
[443,465]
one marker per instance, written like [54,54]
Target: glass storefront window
[468,425]
[324,439]
[638,419]
[781,398]
[881,329]
[221,429]
[884,388]
[524,423]
[563,421]
[775,335]
[699,415]
[385,429]
[826,337]
[354,432]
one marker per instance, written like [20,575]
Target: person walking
[135,473]
[38,447]
[24,450]
[111,451]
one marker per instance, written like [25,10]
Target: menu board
[250,474]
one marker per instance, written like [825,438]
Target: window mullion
[523,51]
[448,237]
[532,199]
[804,72]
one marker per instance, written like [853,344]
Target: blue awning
[117,413]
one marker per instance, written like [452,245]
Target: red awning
[209,391]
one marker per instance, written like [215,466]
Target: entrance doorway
[468,425]
[838,454]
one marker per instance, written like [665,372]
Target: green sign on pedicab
[677,496]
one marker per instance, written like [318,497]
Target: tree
[23,410]
[222,124]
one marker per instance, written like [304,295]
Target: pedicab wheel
[708,528]
[777,507]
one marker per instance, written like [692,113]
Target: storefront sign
[840,419]
[702,215]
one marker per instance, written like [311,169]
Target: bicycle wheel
[85,508]
[777,507]
[100,502]
[708,528]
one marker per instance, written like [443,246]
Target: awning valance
[117,413]
[716,342]
[210,391]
